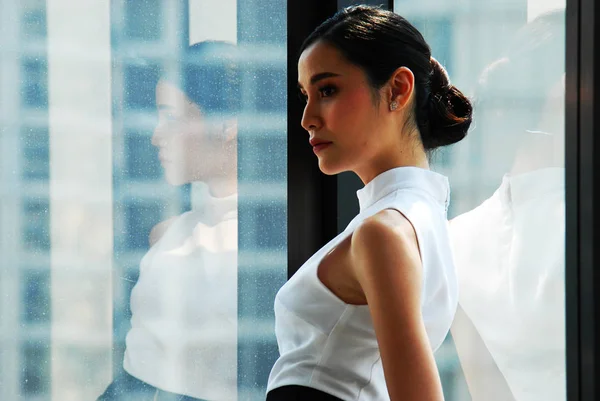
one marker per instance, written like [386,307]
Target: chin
[329,169]
[174,179]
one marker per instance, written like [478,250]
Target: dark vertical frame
[312,196]
[582,182]
[571,200]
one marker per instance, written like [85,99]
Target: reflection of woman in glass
[361,318]
[183,338]
[509,328]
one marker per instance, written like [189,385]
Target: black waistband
[299,393]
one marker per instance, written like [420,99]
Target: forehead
[321,57]
[168,92]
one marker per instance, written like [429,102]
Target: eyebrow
[320,76]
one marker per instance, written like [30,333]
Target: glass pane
[143,197]
[507,209]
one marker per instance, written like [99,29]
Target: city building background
[465,36]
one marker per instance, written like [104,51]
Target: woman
[183,339]
[510,250]
[360,320]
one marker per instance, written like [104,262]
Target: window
[261,22]
[34,82]
[36,297]
[35,376]
[36,225]
[140,83]
[262,227]
[262,157]
[34,21]
[141,157]
[271,90]
[36,156]
[139,220]
[507,180]
[143,19]
[438,33]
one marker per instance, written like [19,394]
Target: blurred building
[148,29]
[464,35]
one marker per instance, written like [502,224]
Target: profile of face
[191,147]
[341,115]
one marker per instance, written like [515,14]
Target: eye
[327,91]
[302,96]
[168,117]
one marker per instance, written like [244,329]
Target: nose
[311,118]
[158,136]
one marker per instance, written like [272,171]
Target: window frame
[582,182]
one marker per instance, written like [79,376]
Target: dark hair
[380,42]
[210,76]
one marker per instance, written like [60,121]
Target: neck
[403,155]
[223,179]
[222,187]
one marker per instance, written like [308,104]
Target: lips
[319,144]
[316,142]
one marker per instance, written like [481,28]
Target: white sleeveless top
[183,336]
[510,259]
[329,345]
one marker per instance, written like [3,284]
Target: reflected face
[340,115]
[189,148]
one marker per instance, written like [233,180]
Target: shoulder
[386,229]
[386,240]
[159,230]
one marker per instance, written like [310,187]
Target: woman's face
[340,110]
[189,148]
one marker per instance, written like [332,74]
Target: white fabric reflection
[510,255]
[510,259]
[184,332]
[184,327]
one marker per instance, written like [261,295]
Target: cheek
[352,118]
[189,138]
[352,110]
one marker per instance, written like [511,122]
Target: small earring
[393,105]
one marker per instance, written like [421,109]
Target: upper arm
[387,264]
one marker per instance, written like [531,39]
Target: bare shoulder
[385,252]
[159,230]
[386,231]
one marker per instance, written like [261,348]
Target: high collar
[517,189]
[215,208]
[434,184]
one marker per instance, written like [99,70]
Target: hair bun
[440,82]
[449,111]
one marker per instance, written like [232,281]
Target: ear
[401,87]
[230,129]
